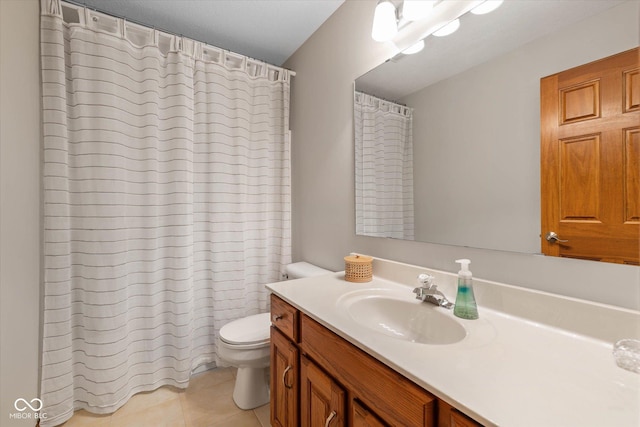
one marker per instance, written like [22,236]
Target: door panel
[581,102]
[590,160]
[632,174]
[580,178]
[632,90]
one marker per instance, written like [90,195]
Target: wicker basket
[357,268]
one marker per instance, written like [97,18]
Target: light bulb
[450,28]
[415,48]
[414,10]
[384,22]
[486,7]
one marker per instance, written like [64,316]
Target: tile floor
[207,402]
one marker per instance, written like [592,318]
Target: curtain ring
[52,7]
[87,17]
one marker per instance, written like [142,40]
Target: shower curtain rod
[143,24]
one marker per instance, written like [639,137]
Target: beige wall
[19,205]
[323,178]
[323,194]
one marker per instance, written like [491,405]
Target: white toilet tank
[299,270]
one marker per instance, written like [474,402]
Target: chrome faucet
[428,292]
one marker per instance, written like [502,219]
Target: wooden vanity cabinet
[320,379]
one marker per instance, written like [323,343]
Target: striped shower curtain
[384,168]
[166,204]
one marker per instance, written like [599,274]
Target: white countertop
[509,370]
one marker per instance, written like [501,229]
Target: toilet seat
[248,332]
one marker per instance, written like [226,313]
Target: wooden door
[322,400]
[590,160]
[284,381]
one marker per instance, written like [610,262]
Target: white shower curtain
[384,168]
[166,204]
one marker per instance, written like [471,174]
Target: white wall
[19,205]
[499,147]
[323,177]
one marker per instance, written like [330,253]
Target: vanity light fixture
[486,7]
[414,10]
[450,28]
[414,48]
[404,21]
[385,23]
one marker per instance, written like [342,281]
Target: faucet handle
[426,280]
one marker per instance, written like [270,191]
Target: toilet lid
[248,330]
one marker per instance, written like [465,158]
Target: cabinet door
[362,417]
[322,400]
[284,381]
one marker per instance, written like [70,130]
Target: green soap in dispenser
[466,307]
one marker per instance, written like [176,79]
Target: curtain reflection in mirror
[384,168]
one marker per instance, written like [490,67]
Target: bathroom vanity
[339,384]
[370,354]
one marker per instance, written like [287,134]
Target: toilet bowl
[244,343]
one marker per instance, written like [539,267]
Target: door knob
[552,237]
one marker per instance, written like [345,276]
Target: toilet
[244,343]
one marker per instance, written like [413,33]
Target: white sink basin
[402,318]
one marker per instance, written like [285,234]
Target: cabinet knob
[329,418]
[276,317]
[284,377]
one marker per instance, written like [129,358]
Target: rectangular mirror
[448,140]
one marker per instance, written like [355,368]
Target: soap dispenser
[465,307]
